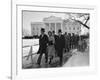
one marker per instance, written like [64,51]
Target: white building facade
[53,23]
[36,27]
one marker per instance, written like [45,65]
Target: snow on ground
[27,43]
[30,42]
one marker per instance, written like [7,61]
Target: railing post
[30,54]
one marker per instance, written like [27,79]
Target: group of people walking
[71,41]
[53,45]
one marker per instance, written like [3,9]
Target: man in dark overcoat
[43,42]
[60,45]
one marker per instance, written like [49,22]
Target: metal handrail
[29,55]
[30,52]
[29,45]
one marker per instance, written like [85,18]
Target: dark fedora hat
[42,29]
[59,31]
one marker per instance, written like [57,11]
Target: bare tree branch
[73,17]
[83,24]
[87,20]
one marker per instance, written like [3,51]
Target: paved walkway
[78,59]
[31,63]
[73,58]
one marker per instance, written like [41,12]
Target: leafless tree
[81,18]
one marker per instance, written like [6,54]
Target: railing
[30,51]
[30,54]
[30,46]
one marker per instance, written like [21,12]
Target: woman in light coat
[51,49]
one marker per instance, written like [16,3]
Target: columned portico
[53,27]
[53,23]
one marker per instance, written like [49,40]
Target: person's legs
[39,58]
[61,57]
[50,59]
[46,57]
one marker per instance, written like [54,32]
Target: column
[61,27]
[49,26]
[55,27]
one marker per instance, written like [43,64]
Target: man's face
[59,33]
[53,33]
[42,32]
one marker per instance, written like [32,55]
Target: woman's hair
[49,32]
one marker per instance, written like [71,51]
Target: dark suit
[55,45]
[60,44]
[43,41]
